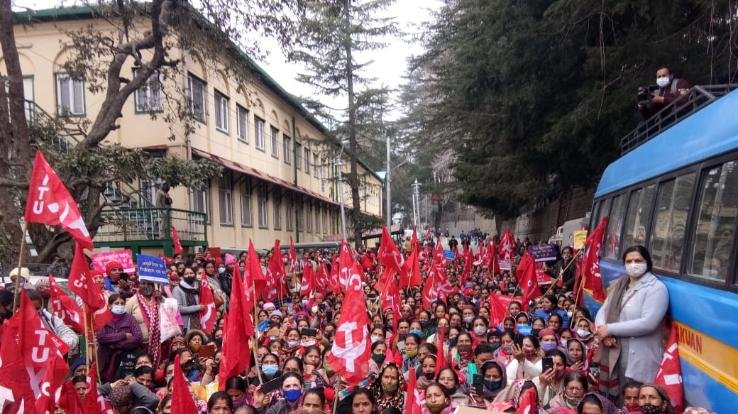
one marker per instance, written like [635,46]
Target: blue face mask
[524,329]
[547,346]
[269,369]
[417,332]
[292,395]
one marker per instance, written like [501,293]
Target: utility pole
[416,201]
[339,186]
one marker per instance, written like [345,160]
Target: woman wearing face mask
[314,375]
[652,399]
[379,351]
[187,294]
[120,335]
[527,363]
[438,400]
[426,372]
[628,323]
[479,330]
[290,396]
[270,367]
[575,386]
[549,340]
[387,389]
[463,353]
[292,343]
[494,380]
[450,379]
[583,331]
[550,382]
[144,307]
[213,275]
[410,358]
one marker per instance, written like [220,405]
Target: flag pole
[573,259]
[256,341]
[20,262]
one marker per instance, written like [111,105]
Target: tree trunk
[14,137]
[353,177]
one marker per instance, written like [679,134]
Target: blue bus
[675,190]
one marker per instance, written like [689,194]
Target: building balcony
[151,228]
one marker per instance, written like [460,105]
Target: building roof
[88,12]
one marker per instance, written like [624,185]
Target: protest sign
[152,269]
[123,257]
[544,252]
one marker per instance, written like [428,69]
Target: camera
[645,93]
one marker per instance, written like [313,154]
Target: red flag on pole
[591,275]
[176,242]
[413,401]
[81,283]
[498,308]
[253,276]
[507,246]
[528,403]
[389,254]
[65,307]
[50,203]
[669,375]
[209,314]
[95,403]
[276,272]
[308,280]
[441,358]
[237,330]
[351,349]
[294,265]
[182,401]
[527,279]
[410,275]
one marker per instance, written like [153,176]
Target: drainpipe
[294,171]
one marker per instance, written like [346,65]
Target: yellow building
[279,164]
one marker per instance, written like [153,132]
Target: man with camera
[651,99]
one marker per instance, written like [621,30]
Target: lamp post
[416,201]
[339,186]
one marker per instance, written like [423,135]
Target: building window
[300,218]
[196,96]
[317,220]
[259,132]
[221,112]
[277,202]
[246,205]
[148,97]
[298,152]
[201,201]
[287,149]
[307,160]
[242,124]
[316,165]
[70,95]
[322,175]
[308,218]
[225,200]
[263,213]
[290,216]
[325,221]
[275,142]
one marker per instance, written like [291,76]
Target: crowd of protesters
[439,355]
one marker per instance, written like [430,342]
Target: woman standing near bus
[628,324]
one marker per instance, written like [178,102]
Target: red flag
[176,242]
[94,402]
[669,375]
[253,276]
[467,269]
[29,355]
[410,275]
[322,279]
[498,308]
[182,401]
[413,400]
[527,279]
[308,280]
[55,371]
[209,314]
[276,273]
[349,271]
[237,330]
[389,254]
[294,265]
[441,358]
[81,282]
[351,349]
[591,275]
[50,203]
[507,246]
[494,259]
[335,284]
[528,403]
[390,297]
[65,307]
[69,400]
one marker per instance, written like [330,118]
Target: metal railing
[151,224]
[697,98]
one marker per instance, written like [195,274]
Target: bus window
[615,225]
[712,240]
[638,218]
[602,211]
[672,209]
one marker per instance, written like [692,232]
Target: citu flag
[527,279]
[669,375]
[413,399]
[182,401]
[494,259]
[441,362]
[94,402]
[237,331]
[276,273]
[498,305]
[591,274]
[322,278]
[348,268]
[410,274]
[351,350]
[528,403]
[253,275]
[209,314]
[176,242]
[32,365]
[50,203]
[507,246]
[389,254]
[308,280]
[64,307]
[82,284]
[390,296]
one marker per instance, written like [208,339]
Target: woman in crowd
[120,335]
[574,387]
[387,390]
[144,307]
[594,403]
[652,399]
[187,294]
[549,306]
[291,392]
[449,379]
[437,400]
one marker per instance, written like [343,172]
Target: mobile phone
[547,363]
[478,383]
[272,385]
[207,351]
[308,332]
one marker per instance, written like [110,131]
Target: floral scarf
[150,313]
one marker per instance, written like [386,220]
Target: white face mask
[376,339]
[636,269]
[480,330]
[583,333]
[662,81]
[118,309]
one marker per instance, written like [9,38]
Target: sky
[387,65]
